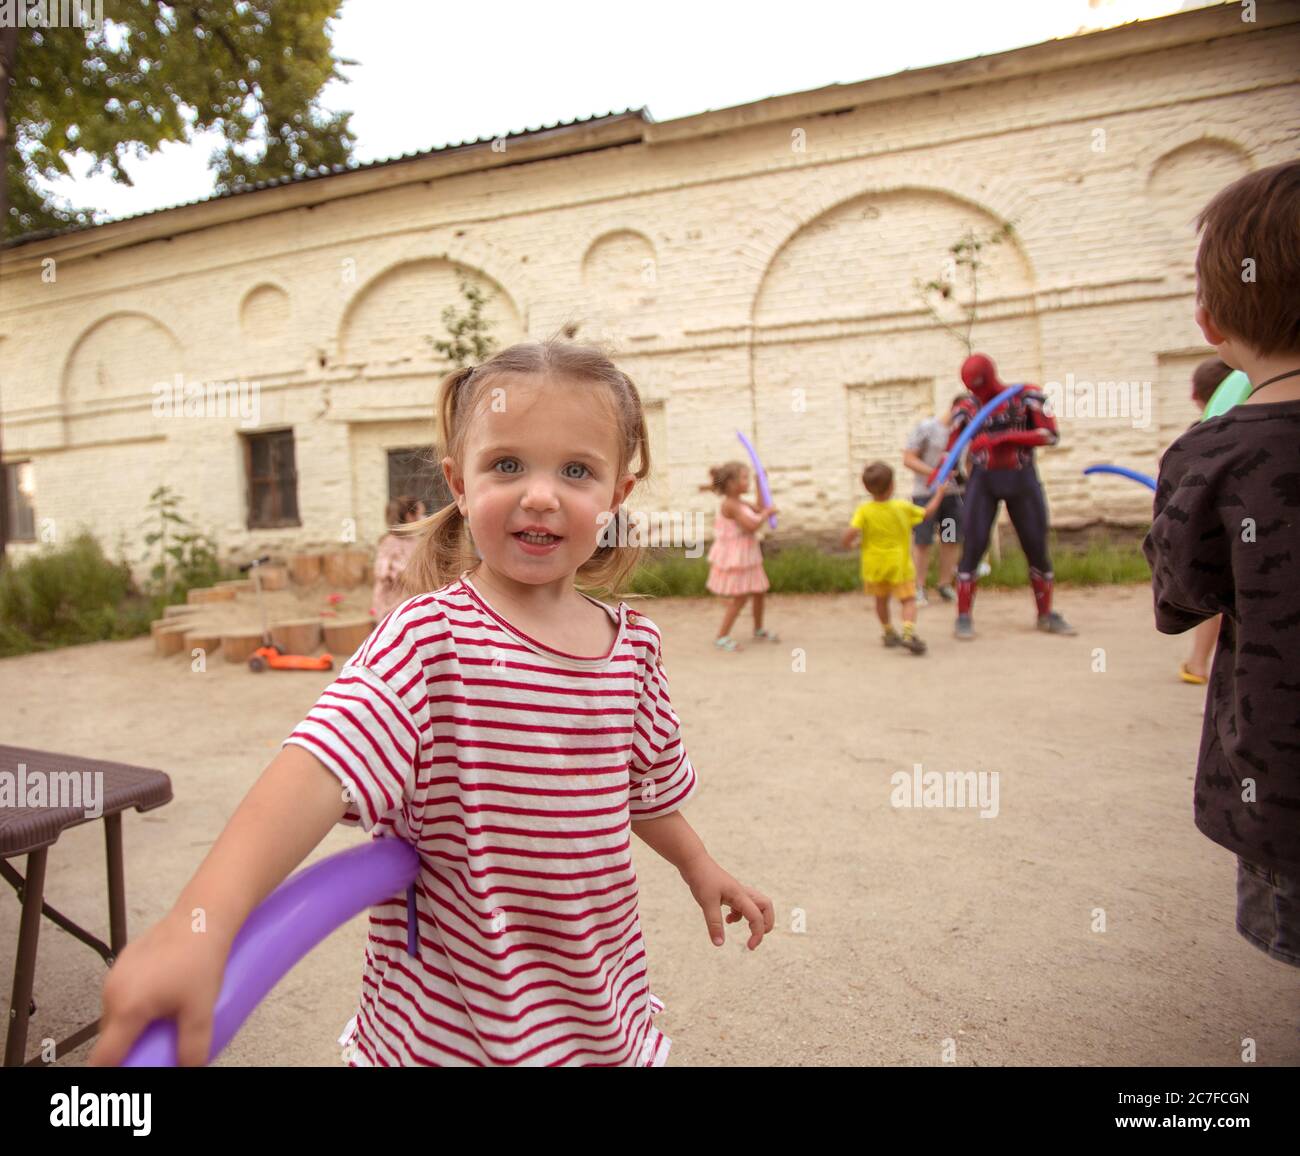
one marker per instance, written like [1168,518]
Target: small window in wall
[272,480]
[417,470]
[20,492]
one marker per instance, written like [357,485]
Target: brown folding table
[32,831]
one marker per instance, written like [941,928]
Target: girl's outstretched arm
[175,969]
[674,838]
[289,810]
[748,518]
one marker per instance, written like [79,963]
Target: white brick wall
[727,268]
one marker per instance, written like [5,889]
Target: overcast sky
[433,74]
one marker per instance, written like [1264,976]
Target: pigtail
[609,570]
[442,553]
[722,475]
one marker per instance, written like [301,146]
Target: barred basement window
[272,480]
[20,490]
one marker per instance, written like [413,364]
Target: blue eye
[580,466]
[503,461]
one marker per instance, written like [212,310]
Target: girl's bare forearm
[672,837]
[288,812]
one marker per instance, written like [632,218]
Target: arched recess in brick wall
[393,316]
[620,277]
[845,357]
[1182,181]
[122,355]
[265,313]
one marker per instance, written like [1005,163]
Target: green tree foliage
[470,341]
[953,299]
[181,556]
[251,69]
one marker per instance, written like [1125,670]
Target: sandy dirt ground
[897,929]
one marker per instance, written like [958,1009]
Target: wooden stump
[176,622]
[202,595]
[205,638]
[304,569]
[343,638]
[274,577]
[345,569]
[238,645]
[170,639]
[361,566]
[331,567]
[298,636]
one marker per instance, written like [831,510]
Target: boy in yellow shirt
[887,567]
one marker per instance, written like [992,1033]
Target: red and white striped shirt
[516,771]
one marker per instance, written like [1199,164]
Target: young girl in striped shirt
[512,728]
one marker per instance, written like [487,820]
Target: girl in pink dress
[735,558]
[394,553]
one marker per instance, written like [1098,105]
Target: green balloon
[1233,390]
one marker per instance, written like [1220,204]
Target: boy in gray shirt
[924,450]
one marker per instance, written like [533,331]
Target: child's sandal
[765,635]
[726,642]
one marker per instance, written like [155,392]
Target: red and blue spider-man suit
[1002,470]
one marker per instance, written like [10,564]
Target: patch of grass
[671,576]
[806,570]
[1098,564]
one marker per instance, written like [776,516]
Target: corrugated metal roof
[325,171]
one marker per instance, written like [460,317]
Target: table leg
[25,964]
[116,883]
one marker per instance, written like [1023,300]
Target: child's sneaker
[891,637]
[910,640]
[947,593]
[726,642]
[964,629]
[766,635]
[921,599]
[1053,623]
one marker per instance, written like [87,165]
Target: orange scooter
[268,654]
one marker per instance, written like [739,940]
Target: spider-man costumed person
[1002,470]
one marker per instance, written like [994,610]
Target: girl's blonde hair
[722,476]
[444,553]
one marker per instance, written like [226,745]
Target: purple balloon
[292,920]
[762,477]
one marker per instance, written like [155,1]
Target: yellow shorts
[903,591]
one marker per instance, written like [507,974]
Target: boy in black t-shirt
[1206,379]
[1225,538]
